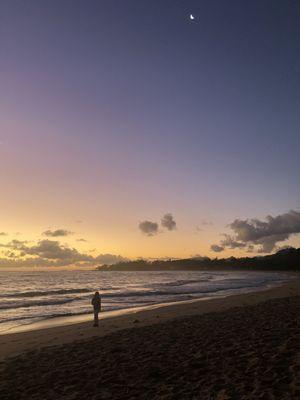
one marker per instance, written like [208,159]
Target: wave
[39,293]
[10,306]
[235,284]
[44,317]
[42,293]
[124,295]
[181,282]
[199,291]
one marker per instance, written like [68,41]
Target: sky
[128,129]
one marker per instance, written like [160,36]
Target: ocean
[28,298]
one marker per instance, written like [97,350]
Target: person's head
[97,294]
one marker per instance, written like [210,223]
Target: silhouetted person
[96,302]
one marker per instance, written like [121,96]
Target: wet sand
[239,347]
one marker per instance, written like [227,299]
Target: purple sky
[116,112]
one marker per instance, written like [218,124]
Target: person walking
[96,302]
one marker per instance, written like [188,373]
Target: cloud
[204,222]
[3,234]
[53,250]
[51,253]
[263,234]
[15,244]
[148,228]
[57,233]
[205,225]
[267,233]
[216,248]
[250,248]
[81,240]
[168,222]
[230,242]
[10,254]
[29,262]
[110,258]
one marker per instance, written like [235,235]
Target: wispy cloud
[57,233]
[205,222]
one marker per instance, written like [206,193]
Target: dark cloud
[216,248]
[268,243]
[57,233]
[168,222]
[148,228]
[267,233]
[230,242]
[262,236]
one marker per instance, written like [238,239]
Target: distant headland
[284,260]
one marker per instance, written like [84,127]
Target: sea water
[30,297]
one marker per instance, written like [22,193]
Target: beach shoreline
[63,320]
[12,344]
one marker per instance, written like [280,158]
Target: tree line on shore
[284,260]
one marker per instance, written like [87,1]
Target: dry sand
[239,347]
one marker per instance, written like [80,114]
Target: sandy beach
[238,347]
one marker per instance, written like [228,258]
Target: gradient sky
[114,112]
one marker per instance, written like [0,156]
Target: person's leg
[96,320]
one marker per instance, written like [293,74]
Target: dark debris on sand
[244,353]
